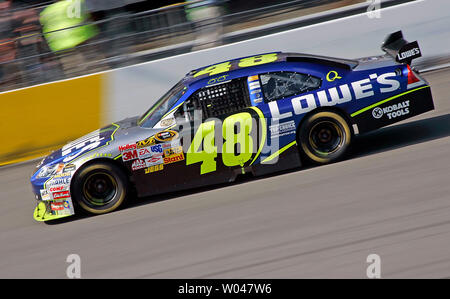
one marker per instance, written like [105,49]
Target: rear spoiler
[400,49]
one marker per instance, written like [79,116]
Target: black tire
[324,137]
[99,188]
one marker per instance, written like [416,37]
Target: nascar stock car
[258,114]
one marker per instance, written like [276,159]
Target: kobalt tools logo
[377,113]
[392,111]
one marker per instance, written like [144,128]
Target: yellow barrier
[36,120]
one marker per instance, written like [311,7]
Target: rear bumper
[392,110]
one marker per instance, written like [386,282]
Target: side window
[219,99]
[280,85]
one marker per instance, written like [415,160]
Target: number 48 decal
[244,62]
[206,133]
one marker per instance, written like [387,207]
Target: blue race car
[258,114]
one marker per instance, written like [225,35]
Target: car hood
[103,141]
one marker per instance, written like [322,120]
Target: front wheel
[324,137]
[100,188]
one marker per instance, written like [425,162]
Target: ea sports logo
[377,112]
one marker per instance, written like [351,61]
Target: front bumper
[51,210]
[53,201]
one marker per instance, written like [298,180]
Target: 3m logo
[130,155]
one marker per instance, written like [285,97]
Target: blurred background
[69,67]
[43,41]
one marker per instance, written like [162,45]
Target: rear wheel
[99,188]
[324,137]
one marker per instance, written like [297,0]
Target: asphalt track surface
[391,198]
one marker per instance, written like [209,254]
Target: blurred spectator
[114,22]
[62,24]
[66,24]
[29,41]
[206,15]
[7,43]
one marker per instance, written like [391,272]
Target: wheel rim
[99,188]
[326,137]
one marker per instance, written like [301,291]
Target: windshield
[162,106]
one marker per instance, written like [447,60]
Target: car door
[277,95]
[219,133]
[226,110]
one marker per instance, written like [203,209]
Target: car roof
[347,64]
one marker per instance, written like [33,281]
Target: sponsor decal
[217,80]
[138,164]
[377,113]
[147,152]
[338,95]
[60,168]
[69,168]
[145,142]
[172,151]
[165,136]
[167,122]
[58,188]
[129,155]
[174,158]
[332,76]
[156,149]
[46,195]
[127,147]
[60,195]
[392,111]
[282,129]
[154,160]
[62,175]
[144,153]
[409,52]
[58,182]
[57,206]
[154,168]
[255,89]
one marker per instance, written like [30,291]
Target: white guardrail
[131,90]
